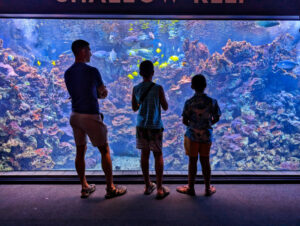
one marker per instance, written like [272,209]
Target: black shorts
[149,139]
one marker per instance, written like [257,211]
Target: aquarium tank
[252,68]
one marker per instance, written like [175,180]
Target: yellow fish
[130,76]
[53,63]
[155,80]
[143,59]
[162,55]
[158,50]
[163,65]
[39,63]
[135,73]
[130,29]
[156,64]
[174,58]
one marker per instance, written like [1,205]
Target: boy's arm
[162,99]
[134,104]
[185,121]
[216,113]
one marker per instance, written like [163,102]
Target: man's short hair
[78,45]
[199,83]
[146,69]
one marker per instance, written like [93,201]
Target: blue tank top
[149,115]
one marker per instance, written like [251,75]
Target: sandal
[85,192]
[150,189]
[165,193]
[212,190]
[186,190]
[117,191]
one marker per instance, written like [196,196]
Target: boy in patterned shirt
[199,114]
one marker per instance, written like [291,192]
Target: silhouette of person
[85,86]
[199,114]
[148,98]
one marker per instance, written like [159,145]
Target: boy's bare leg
[159,168]
[80,165]
[204,160]
[106,165]
[192,171]
[145,166]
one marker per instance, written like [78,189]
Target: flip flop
[186,190]
[117,191]
[212,190]
[150,189]
[85,193]
[165,193]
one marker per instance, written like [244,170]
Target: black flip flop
[85,193]
[150,189]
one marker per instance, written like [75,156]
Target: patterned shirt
[199,111]
[149,115]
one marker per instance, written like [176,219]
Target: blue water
[251,69]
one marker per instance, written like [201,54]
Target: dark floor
[231,205]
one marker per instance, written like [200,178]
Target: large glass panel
[252,69]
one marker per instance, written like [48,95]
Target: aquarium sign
[151,1]
[151,7]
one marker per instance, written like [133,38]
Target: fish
[145,26]
[101,54]
[163,65]
[39,63]
[267,24]
[174,58]
[112,55]
[27,83]
[159,44]
[156,64]
[183,63]
[287,65]
[53,63]
[130,76]
[130,29]
[130,39]
[135,73]
[158,50]
[10,57]
[151,35]
[162,55]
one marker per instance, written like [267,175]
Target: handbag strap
[144,95]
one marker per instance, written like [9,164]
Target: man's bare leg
[80,165]
[159,168]
[107,165]
[145,166]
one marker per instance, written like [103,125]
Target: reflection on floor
[231,205]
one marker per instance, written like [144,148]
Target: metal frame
[148,17]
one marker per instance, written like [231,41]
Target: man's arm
[134,103]
[102,92]
[162,99]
